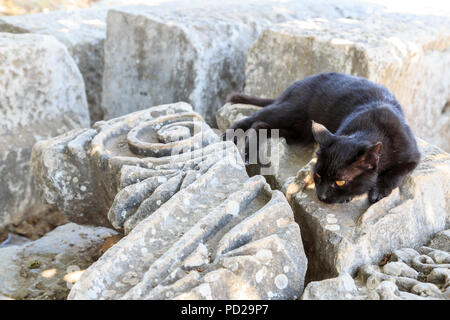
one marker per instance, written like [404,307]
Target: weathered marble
[341,237]
[224,236]
[405,53]
[83,32]
[406,275]
[46,268]
[41,95]
[108,171]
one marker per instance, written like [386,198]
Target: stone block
[41,95]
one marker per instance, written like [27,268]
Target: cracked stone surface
[408,274]
[83,32]
[122,170]
[403,52]
[342,237]
[207,242]
[46,268]
[41,96]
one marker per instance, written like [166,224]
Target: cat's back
[331,90]
[344,87]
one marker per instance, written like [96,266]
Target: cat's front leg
[379,192]
[231,133]
[390,179]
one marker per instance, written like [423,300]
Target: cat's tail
[236,97]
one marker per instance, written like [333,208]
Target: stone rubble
[191,52]
[407,275]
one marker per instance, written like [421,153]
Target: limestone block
[108,171]
[41,95]
[341,237]
[191,52]
[222,237]
[404,53]
[83,32]
[46,268]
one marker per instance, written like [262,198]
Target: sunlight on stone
[94,22]
[292,189]
[73,277]
[337,41]
[49,273]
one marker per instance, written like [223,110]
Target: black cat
[364,142]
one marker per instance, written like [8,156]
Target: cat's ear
[371,156]
[321,134]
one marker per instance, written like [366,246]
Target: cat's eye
[340,183]
[318,175]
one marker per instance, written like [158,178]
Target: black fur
[359,126]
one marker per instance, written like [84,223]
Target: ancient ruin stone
[41,95]
[341,237]
[405,53]
[83,32]
[197,226]
[190,52]
[46,268]
[409,275]
[224,236]
[339,288]
[125,168]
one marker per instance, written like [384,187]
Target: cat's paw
[377,193]
[346,200]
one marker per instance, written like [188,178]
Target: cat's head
[345,166]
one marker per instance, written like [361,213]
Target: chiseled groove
[162,193]
[128,199]
[200,232]
[133,174]
[150,235]
[234,239]
[181,283]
